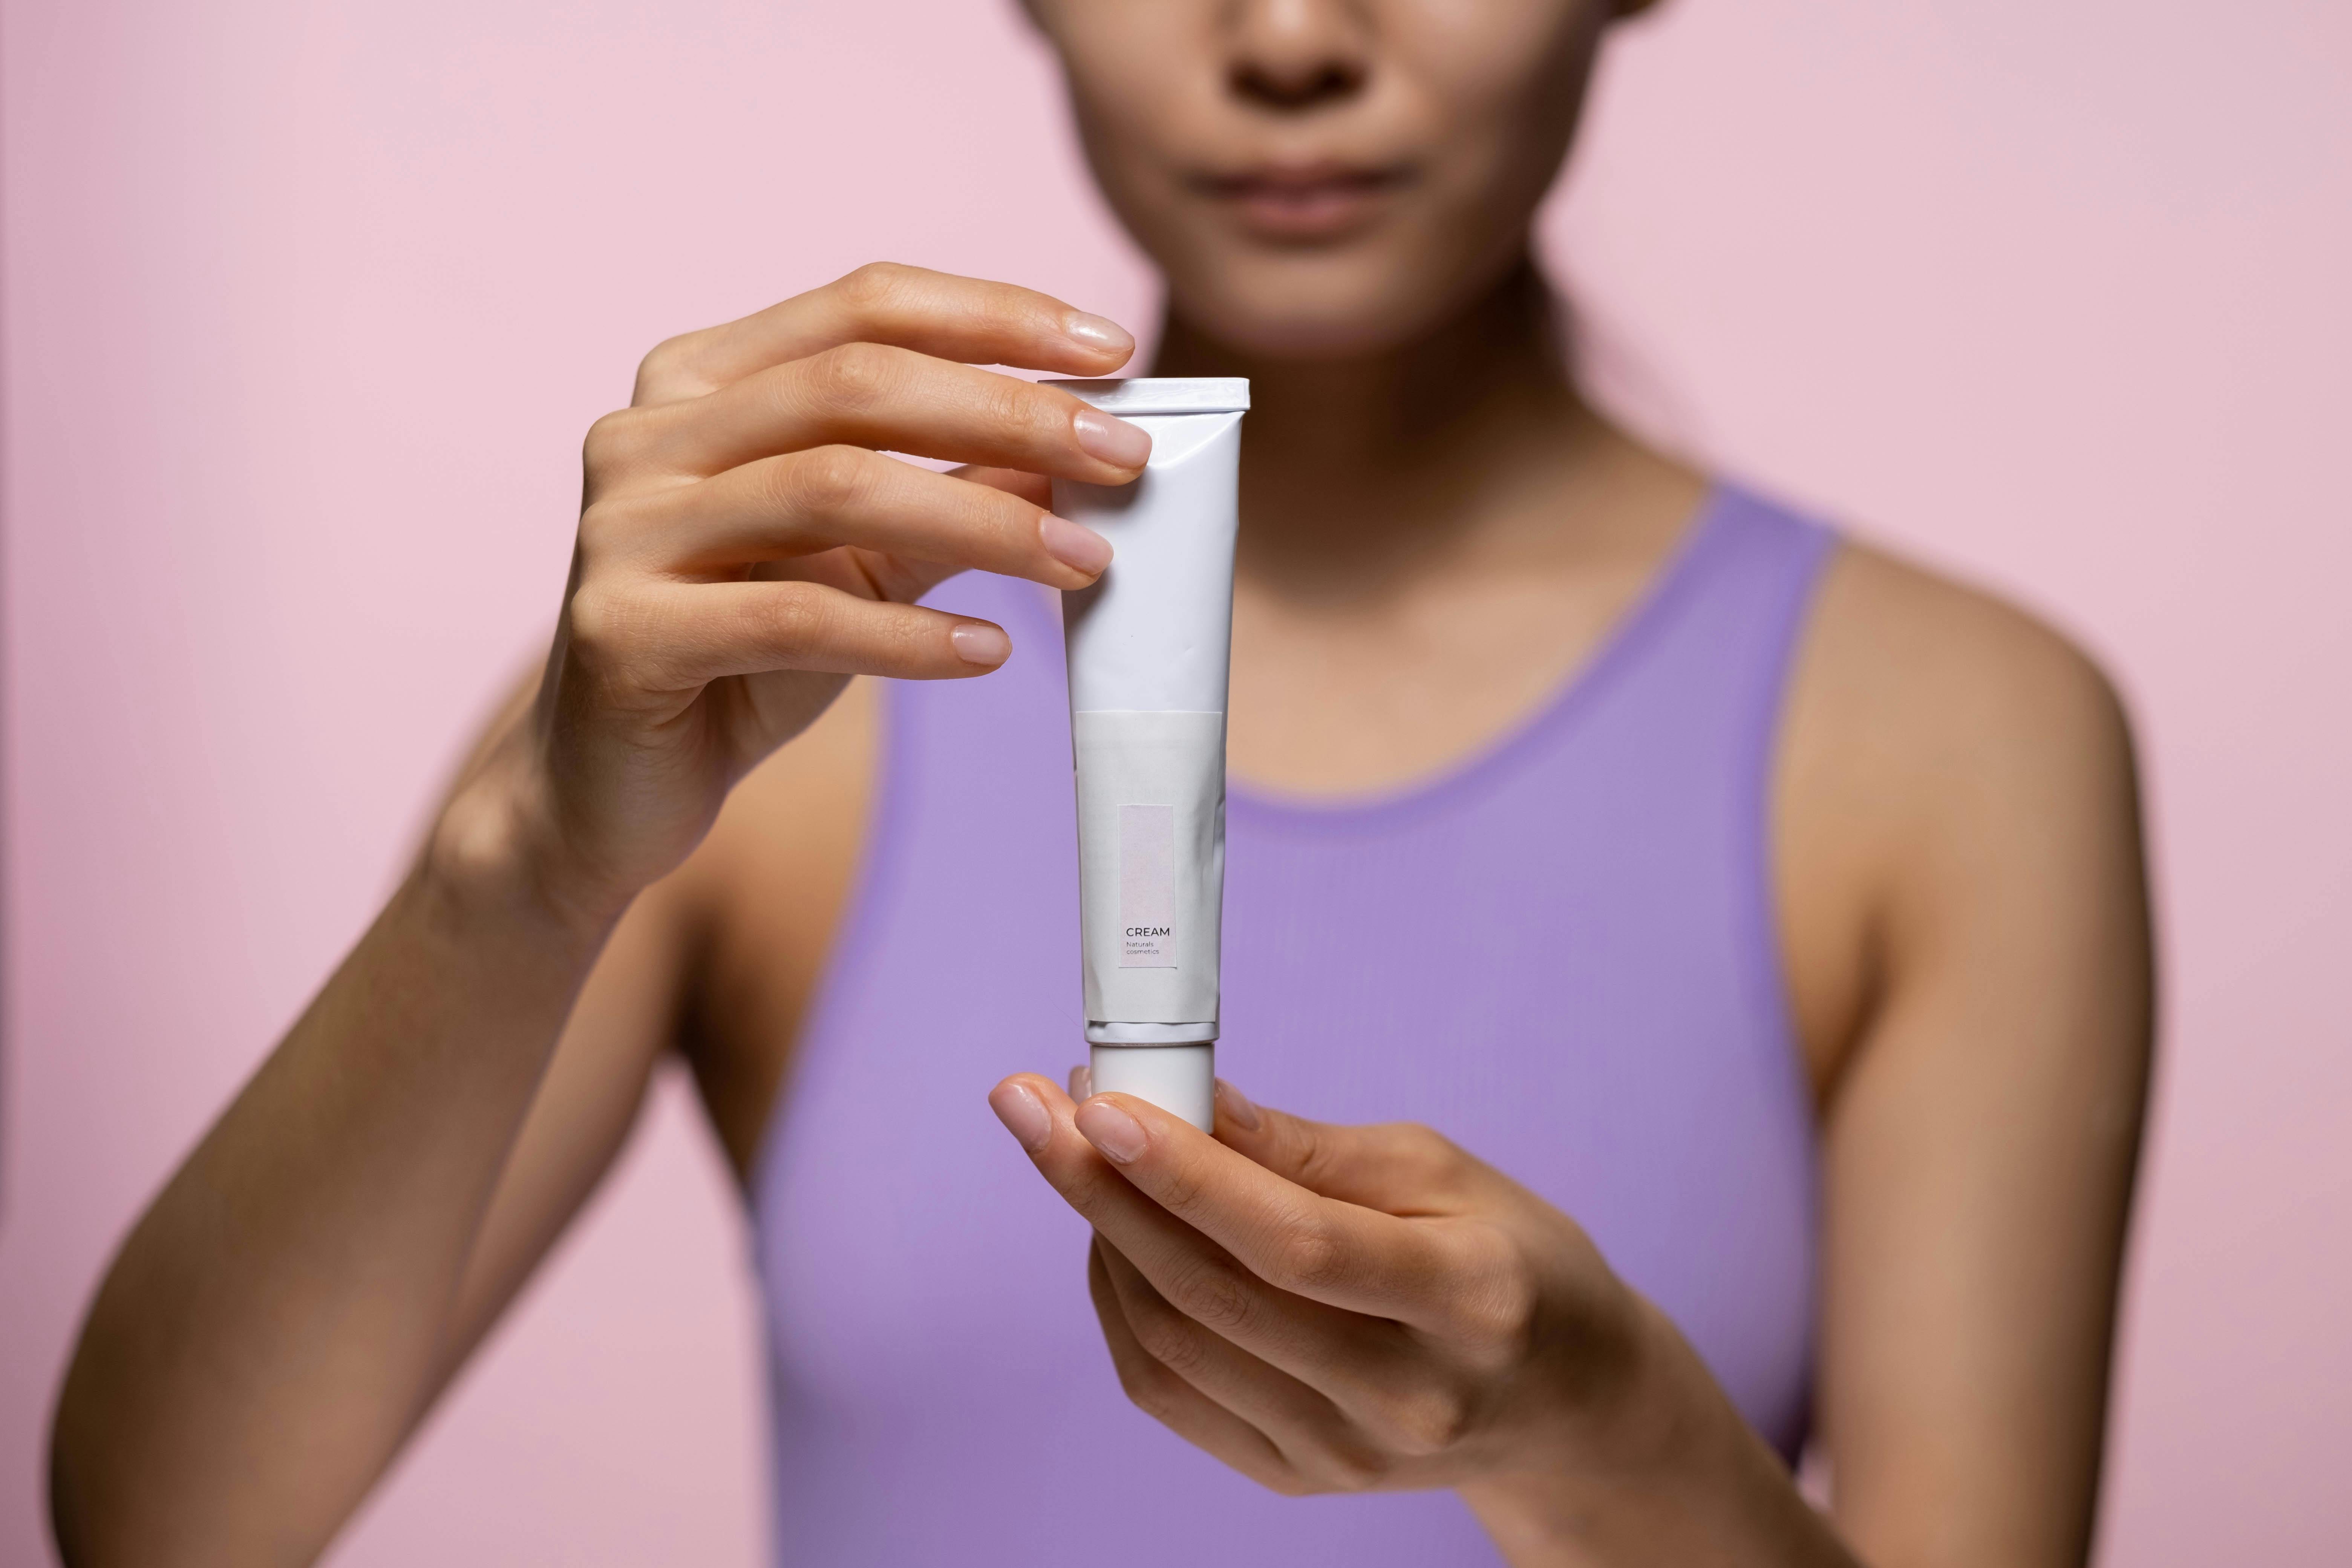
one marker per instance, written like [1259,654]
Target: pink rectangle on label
[1147,886]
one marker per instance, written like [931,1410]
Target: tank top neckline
[1572,967]
[1619,646]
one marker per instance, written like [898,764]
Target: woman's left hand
[1344,1308]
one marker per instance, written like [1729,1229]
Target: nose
[1292,55]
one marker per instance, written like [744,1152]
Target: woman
[1738,934]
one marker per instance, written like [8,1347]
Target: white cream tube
[1147,646]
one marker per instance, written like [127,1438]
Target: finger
[1398,1167]
[677,636]
[1313,1435]
[965,319]
[1338,1253]
[1155,1389]
[1034,489]
[866,395]
[1082,1081]
[861,573]
[804,502]
[1331,1350]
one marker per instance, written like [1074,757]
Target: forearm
[262,1343]
[1673,1474]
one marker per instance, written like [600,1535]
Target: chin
[1311,308]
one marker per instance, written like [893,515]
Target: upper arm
[1962,779]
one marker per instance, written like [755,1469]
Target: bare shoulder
[767,892]
[1967,917]
[1946,673]
[1945,758]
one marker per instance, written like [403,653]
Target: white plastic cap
[1179,1079]
[1163,394]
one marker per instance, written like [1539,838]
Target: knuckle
[668,366]
[794,618]
[605,526]
[828,479]
[1147,1388]
[1429,1421]
[1215,1296]
[1350,1469]
[1314,1157]
[853,377]
[1172,1342]
[1179,1189]
[1425,1140]
[1311,1258]
[1441,1159]
[1496,1311]
[875,284]
[1029,410]
[603,623]
[612,442]
[1003,520]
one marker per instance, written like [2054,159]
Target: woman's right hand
[745,546]
[362,1213]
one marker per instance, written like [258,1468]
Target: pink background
[307,303]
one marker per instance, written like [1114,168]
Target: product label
[1147,886]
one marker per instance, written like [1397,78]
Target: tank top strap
[1722,618]
[1745,585]
[1702,670]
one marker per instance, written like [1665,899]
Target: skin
[650,849]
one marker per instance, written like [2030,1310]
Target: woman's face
[1320,178]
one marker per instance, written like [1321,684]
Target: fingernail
[1024,1114]
[1074,544]
[1118,1135]
[977,642]
[1113,441]
[1096,333]
[1236,1105]
[1082,1081]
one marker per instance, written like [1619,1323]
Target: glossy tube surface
[1149,646]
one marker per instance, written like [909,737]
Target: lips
[1305,202]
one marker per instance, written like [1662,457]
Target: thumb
[1397,1167]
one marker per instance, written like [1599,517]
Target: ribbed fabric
[1562,954]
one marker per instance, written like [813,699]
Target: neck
[1407,451]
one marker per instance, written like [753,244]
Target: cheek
[1499,81]
[1136,74]
[1137,118]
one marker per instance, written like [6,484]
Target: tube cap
[1179,1079]
[1163,394]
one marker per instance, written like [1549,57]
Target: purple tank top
[1561,954]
